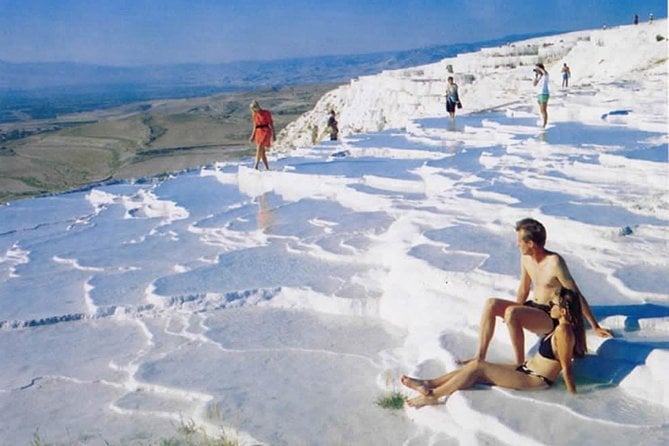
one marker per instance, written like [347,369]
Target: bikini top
[545,348]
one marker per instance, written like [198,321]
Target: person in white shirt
[541,81]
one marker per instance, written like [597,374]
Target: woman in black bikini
[556,351]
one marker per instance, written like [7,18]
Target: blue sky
[140,32]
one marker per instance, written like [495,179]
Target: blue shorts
[542,98]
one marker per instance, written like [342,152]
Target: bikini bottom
[523,368]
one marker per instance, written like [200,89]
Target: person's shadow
[265,216]
[617,357]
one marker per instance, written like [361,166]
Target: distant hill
[233,75]
[46,90]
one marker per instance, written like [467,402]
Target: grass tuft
[37,440]
[187,427]
[393,400]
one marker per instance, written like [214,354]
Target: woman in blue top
[556,351]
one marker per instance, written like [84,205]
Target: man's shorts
[532,304]
[542,98]
[545,308]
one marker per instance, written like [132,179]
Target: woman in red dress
[263,132]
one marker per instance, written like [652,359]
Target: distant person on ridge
[565,342]
[566,74]
[263,132]
[541,82]
[650,18]
[543,271]
[333,126]
[314,134]
[636,19]
[452,97]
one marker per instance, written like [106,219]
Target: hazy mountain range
[43,90]
[233,75]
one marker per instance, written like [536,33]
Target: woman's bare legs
[476,372]
[421,386]
[258,149]
[543,108]
[261,155]
[425,386]
[264,158]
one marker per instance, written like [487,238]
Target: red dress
[262,120]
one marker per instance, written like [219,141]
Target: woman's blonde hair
[255,106]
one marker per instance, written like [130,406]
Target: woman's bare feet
[419,385]
[422,400]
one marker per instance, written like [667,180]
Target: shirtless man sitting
[548,272]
